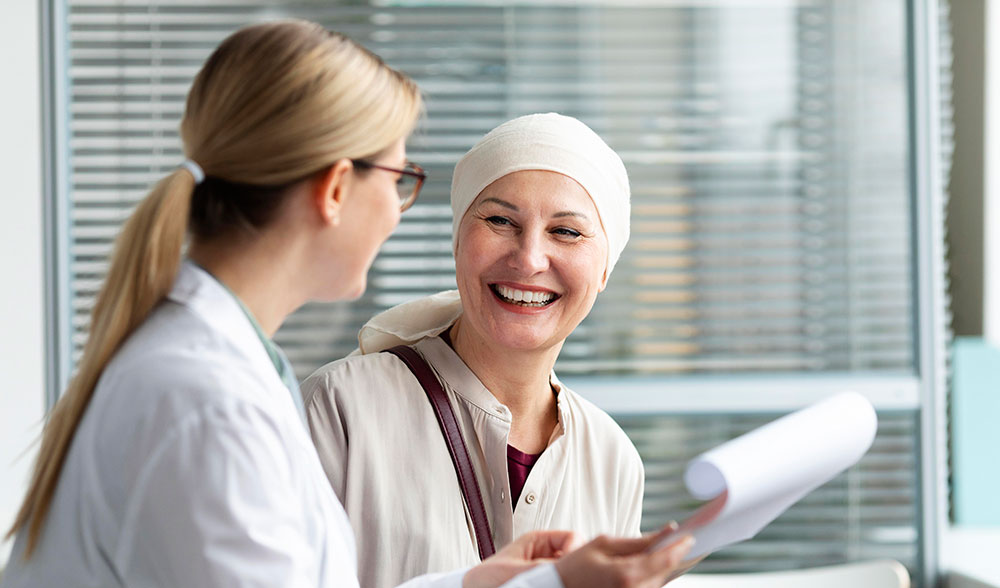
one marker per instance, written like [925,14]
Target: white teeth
[524,296]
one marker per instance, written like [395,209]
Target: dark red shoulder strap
[456,444]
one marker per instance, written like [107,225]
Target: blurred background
[811,190]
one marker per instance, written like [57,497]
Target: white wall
[21,296]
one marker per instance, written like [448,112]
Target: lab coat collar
[199,291]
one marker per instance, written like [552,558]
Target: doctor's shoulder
[173,366]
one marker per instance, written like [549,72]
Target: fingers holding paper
[605,562]
[626,563]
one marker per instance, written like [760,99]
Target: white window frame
[924,392]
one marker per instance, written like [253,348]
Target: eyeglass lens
[405,186]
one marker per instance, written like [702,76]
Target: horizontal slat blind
[869,512]
[767,146]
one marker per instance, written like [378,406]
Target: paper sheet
[752,479]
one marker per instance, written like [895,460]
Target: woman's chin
[343,292]
[355,292]
[521,339]
[518,330]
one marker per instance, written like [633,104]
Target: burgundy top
[518,463]
[518,467]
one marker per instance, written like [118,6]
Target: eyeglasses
[411,178]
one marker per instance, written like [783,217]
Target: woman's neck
[520,380]
[259,272]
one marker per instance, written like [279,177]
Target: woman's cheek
[483,241]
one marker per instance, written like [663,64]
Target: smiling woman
[530,260]
[541,209]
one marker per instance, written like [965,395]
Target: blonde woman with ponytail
[178,456]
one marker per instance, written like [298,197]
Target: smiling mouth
[526,298]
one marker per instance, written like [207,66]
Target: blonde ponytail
[143,267]
[275,103]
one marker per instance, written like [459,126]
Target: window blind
[869,512]
[767,145]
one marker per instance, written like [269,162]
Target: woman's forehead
[537,190]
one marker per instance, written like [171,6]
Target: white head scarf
[550,142]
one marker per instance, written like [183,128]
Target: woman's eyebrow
[560,214]
[503,203]
[571,213]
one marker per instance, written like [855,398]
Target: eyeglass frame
[417,172]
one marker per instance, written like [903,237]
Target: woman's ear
[330,190]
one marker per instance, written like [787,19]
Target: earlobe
[331,190]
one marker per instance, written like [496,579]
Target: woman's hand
[605,562]
[685,568]
[526,552]
[609,562]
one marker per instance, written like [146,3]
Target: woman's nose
[530,254]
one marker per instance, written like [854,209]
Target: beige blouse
[383,451]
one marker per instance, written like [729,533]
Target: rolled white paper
[757,476]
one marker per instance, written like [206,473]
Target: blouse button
[530,498]
[503,495]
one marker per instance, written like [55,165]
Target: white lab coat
[191,468]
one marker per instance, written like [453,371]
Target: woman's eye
[498,220]
[565,232]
